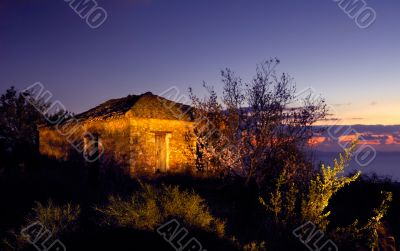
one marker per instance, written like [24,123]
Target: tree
[18,126]
[257,128]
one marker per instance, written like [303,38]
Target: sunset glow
[184,125]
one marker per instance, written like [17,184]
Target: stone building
[138,133]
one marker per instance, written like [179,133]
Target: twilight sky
[151,45]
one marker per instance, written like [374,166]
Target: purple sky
[151,45]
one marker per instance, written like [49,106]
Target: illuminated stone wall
[66,142]
[180,151]
[52,144]
[128,142]
[114,140]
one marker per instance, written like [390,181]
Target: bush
[366,234]
[140,211]
[57,219]
[322,188]
[188,207]
[151,207]
[255,246]
[315,200]
[13,241]
[289,206]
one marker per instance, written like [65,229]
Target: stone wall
[128,142]
[65,141]
[181,147]
[53,145]
[113,140]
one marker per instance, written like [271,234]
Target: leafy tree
[19,117]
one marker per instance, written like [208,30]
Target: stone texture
[126,134]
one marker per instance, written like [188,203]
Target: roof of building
[110,108]
[146,105]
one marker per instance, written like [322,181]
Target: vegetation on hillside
[254,184]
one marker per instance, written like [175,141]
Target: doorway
[162,151]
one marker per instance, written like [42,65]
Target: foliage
[367,233]
[57,219]
[282,202]
[13,241]
[314,201]
[190,207]
[140,211]
[18,124]
[255,246]
[257,128]
[151,207]
[20,115]
[323,187]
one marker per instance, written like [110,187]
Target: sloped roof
[110,108]
[146,105]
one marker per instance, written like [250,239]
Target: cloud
[330,119]
[343,104]
[381,138]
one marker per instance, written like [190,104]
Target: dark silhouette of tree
[19,117]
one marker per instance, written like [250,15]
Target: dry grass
[57,219]
[151,207]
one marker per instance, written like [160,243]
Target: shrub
[255,246]
[288,205]
[13,241]
[140,211]
[149,208]
[323,187]
[57,219]
[314,202]
[366,234]
[187,206]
